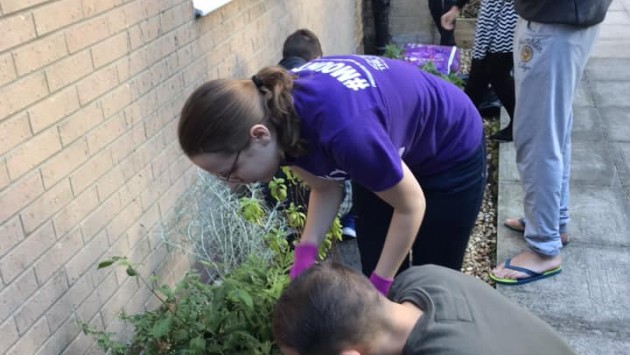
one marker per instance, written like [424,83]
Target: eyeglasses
[228,177]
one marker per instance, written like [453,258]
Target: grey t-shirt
[464,315]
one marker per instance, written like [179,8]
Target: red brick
[9,6]
[16,30]
[20,194]
[110,49]
[87,257]
[12,234]
[23,255]
[8,335]
[95,7]
[87,33]
[53,108]
[69,70]
[30,154]
[57,255]
[75,211]
[78,124]
[116,100]
[87,174]
[46,206]
[97,84]
[14,294]
[13,132]
[56,15]
[39,53]
[103,135]
[7,69]
[32,340]
[21,93]
[33,308]
[60,165]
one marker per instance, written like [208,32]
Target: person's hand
[304,257]
[380,283]
[448,19]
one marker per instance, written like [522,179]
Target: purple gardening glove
[304,258]
[381,284]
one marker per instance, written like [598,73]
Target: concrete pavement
[589,302]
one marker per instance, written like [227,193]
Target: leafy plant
[453,78]
[394,52]
[240,240]
[230,316]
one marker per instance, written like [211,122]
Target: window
[204,7]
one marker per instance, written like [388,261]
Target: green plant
[230,316]
[243,243]
[394,52]
[453,78]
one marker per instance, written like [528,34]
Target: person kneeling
[332,309]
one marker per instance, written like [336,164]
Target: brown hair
[218,115]
[328,307]
[302,43]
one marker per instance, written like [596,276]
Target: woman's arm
[323,204]
[407,199]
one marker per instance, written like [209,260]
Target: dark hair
[218,115]
[302,43]
[328,307]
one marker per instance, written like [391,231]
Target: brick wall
[90,92]
[409,21]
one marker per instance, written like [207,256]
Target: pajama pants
[548,63]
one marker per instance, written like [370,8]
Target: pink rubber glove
[304,258]
[381,284]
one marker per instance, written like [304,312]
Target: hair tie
[259,84]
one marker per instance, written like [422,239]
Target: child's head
[327,309]
[302,43]
[239,129]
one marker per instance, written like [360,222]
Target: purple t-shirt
[361,114]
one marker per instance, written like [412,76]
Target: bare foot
[515,224]
[528,260]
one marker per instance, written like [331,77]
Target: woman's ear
[260,133]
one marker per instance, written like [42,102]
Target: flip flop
[533,275]
[521,229]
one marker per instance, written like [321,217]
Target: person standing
[492,57]
[552,41]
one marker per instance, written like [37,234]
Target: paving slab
[595,169]
[610,69]
[599,217]
[621,157]
[615,123]
[611,48]
[611,93]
